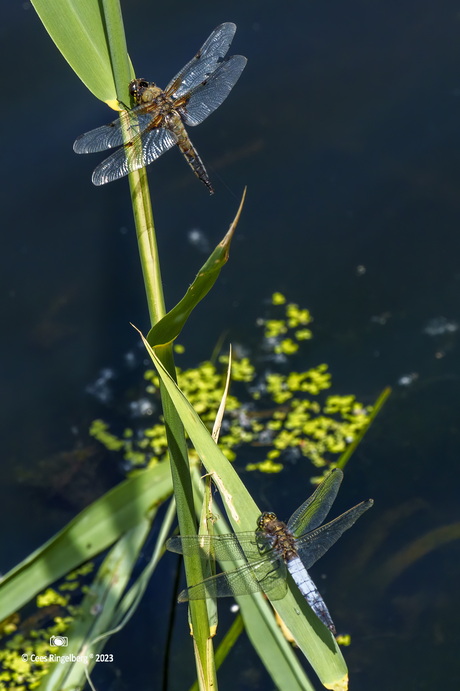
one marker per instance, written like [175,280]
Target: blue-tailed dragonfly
[273,549]
[157,120]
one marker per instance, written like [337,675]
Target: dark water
[345,127]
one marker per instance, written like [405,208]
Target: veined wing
[142,150]
[111,135]
[209,95]
[315,509]
[313,545]
[227,547]
[213,50]
[263,575]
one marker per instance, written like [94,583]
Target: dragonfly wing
[208,95]
[213,51]
[145,148]
[312,546]
[264,575]
[313,511]
[111,135]
[226,547]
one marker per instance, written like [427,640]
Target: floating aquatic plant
[275,415]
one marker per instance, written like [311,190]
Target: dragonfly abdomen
[310,592]
[185,145]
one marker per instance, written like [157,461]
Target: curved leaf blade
[79,30]
[311,636]
[169,328]
[93,530]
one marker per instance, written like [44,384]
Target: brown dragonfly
[157,120]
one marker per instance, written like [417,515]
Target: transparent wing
[222,547]
[143,149]
[213,50]
[264,575]
[313,545]
[313,511]
[111,135]
[208,95]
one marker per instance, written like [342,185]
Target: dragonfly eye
[265,518]
[136,86]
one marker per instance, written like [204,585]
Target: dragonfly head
[265,519]
[143,91]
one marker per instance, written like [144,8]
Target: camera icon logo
[59,641]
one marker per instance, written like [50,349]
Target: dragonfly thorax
[277,535]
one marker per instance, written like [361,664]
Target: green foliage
[278,414]
[168,328]
[91,38]
[310,635]
[79,29]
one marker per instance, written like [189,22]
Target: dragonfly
[157,121]
[273,550]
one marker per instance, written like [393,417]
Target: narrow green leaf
[97,612]
[311,636]
[170,326]
[93,530]
[79,30]
[377,407]
[277,655]
[229,640]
